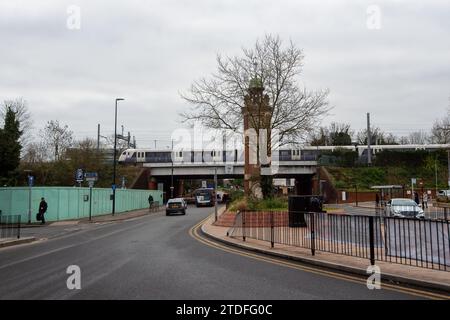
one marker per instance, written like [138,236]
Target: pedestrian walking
[377,200]
[150,201]
[416,197]
[425,200]
[42,210]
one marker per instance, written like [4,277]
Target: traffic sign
[113,187]
[91,176]
[79,175]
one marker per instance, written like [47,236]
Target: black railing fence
[436,212]
[10,226]
[417,242]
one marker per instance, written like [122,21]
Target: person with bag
[42,210]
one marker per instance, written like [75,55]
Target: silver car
[177,205]
[404,208]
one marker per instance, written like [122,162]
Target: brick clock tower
[257,115]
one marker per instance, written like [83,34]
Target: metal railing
[417,242]
[10,226]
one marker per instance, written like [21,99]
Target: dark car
[177,205]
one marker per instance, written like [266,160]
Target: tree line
[341,134]
[53,154]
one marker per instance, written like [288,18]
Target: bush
[277,203]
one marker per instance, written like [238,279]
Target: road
[156,257]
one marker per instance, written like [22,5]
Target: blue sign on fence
[91,176]
[30,181]
[79,175]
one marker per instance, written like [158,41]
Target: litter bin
[300,204]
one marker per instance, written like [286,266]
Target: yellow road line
[193,232]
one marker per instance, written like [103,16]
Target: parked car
[404,208]
[176,205]
[443,195]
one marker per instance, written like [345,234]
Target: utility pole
[98,137]
[448,166]
[114,161]
[369,152]
[436,176]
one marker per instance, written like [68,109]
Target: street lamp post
[215,191]
[114,163]
[171,178]
[30,185]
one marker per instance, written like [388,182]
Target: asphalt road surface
[156,257]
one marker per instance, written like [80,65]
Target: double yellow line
[194,233]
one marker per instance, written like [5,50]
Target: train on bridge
[304,153]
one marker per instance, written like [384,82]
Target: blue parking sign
[79,175]
[30,181]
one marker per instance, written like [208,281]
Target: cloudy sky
[389,58]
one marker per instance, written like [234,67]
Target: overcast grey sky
[396,67]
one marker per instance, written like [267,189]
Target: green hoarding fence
[65,203]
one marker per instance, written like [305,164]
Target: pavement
[8,242]
[398,273]
[39,232]
[154,256]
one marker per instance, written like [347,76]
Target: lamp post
[30,181]
[114,163]
[171,177]
[215,188]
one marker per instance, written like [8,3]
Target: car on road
[176,205]
[205,197]
[404,208]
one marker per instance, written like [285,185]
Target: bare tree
[440,133]
[57,138]
[403,140]
[35,152]
[295,111]
[336,134]
[20,107]
[418,137]
[390,138]
[378,137]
